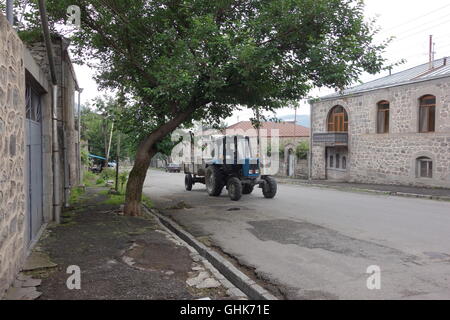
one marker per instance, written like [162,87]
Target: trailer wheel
[234,187]
[214,181]
[269,188]
[188,182]
[247,188]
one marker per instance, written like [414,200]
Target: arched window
[427,113]
[338,161]
[383,117]
[344,163]
[338,120]
[331,161]
[424,167]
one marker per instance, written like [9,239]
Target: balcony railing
[331,138]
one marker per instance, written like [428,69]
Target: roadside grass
[147,201]
[75,194]
[114,198]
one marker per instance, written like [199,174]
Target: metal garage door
[34,162]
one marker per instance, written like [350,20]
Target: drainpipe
[9,11]
[80,171]
[310,141]
[55,147]
[64,125]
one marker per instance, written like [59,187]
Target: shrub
[302,150]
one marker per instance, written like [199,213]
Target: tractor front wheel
[269,187]
[234,187]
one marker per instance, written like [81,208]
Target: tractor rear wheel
[188,182]
[234,187]
[247,188]
[214,181]
[269,188]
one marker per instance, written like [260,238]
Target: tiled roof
[286,129]
[416,74]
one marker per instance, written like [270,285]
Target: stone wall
[390,158]
[12,162]
[67,131]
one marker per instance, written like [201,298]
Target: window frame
[429,167]
[342,117]
[428,110]
[382,109]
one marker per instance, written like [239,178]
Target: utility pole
[117,161]
[109,144]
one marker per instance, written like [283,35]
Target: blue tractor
[230,166]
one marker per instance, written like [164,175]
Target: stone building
[26,144]
[290,136]
[394,130]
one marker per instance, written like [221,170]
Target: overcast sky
[410,21]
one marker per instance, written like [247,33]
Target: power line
[419,17]
[419,26]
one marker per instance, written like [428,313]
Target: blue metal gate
[34,162]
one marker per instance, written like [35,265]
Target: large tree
[186,60]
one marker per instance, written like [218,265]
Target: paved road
[318,243]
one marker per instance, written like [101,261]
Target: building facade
[27,145]
[394,130]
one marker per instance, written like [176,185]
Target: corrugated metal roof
[415,74]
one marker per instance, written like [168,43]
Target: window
[331,161]
[383,117]
[344,163]
[427,112]
[33,104]
[338,161]
[424,167]
[338,120]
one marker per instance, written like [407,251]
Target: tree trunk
[145,152]
[136,182]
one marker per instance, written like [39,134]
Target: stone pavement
[431,193]
[119,258]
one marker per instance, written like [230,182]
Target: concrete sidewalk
[395,190]
[119,258]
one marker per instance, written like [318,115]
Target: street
[314,243]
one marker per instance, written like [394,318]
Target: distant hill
[302,119]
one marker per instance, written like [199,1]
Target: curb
[233,274]
[353,189]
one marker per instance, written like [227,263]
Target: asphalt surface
[316,243]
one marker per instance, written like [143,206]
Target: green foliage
[302,150]
[84,157]
[123,178]
[108,174]
[206,58]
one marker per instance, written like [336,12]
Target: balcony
[331,139]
